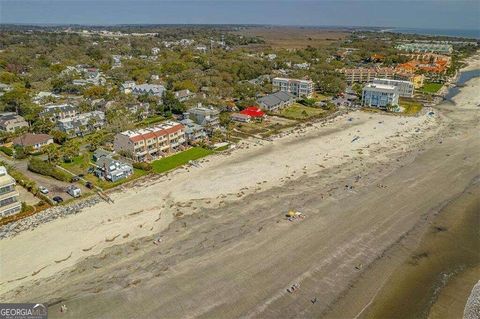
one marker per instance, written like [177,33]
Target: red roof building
[253,112]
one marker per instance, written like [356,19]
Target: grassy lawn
[179,159]
[411,107]
[300,112]
[431,87]
[79,165]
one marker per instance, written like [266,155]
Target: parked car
[57,199]
[43,189]
[75,179]
[74,191]
[89,185]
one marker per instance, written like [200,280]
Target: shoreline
[189,204]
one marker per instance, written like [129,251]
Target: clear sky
[453,14]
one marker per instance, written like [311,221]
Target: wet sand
[436,279]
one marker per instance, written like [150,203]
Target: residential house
[239,117]
[42,96]
[405,88]
[82,124]
[37,141]
[9,203]
[202,48]
[380,95]
[155,51]
[205,116]
[11,121]
[276,101]
[294,86]
[108,168]
[141,110]
[57,112]
[254,113]
[4,88]
[151,143]
[184,95]
[193,131]
[149,89]
[128,86]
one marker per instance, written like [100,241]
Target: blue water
[470,33]
[462,79]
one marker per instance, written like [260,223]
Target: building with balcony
[151,143]
[208,117]
[9,203]
[296,87]
[380,95]
[405,88]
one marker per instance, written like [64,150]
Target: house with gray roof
[57,112]
[149,89]
[110,169]
[11,121]
[193,131]
[82,124]
[276,101]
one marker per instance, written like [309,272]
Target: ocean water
[468,33]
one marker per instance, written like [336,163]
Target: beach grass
[179,159]
[411,107]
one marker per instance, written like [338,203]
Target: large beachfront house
[276,101]
[9,203]
[380,95]
[405,88]
[110,169]
[151,143]
[294,86]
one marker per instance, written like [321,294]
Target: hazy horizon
[442,15]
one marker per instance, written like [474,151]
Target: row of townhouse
[364,75]
[441,48]
[296,87]
[151,143]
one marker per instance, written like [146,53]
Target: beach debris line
[356,138]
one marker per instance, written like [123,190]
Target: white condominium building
[9,204]
[405,88]
[379,95]
[295,86]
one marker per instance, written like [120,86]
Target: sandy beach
[226,249]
